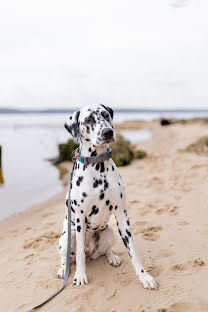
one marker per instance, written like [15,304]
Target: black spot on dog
[102,195]
[88,129]
[82,211]
[107,202]
[116,207]
[80,179]
[59,247]
[128,223]
[66,217]
[128,233]
[119,183]
[82,201]
[112,168]
[96,236]
[89,149]
[105,184]
[72,209]
[94,153]
[120,232]
[95,184]
[84,194]
[97,167]
[142,271]
[75,202]
[111,207]
[63,233]
[102,167]
[78,220]
[94,211]
[78,228]
[121,195]
[67,202]
[100,181]
[125,241]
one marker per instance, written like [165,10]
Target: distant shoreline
[118,110]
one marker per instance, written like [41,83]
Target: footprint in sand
[150,233]
[168,208]
[155,270]
[122,279]
[41,242]
[136,227]
[165,253]
[183,222]
[47,214]
[197,263]
[179,307]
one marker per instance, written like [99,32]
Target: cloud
[70,54]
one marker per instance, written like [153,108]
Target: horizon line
[132,109]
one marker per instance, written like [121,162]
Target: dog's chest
[96,191]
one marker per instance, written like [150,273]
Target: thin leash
[68,249]
[85,160]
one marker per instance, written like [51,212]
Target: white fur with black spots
[97,192]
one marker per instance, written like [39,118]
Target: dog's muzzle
[107,135]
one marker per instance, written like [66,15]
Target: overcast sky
[64,53]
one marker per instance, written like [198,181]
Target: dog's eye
[105,115]
[89,119]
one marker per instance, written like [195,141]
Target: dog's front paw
[147,280]
[80,278]
[61,271]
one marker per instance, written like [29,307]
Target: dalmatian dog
[97,191]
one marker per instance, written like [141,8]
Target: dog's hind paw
[113,259]
[61,272]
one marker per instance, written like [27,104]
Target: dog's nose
[107,133]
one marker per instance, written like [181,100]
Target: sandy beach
[167,204]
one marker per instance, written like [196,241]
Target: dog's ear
[72,125]
[109,110]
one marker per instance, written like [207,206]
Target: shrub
[123,151]
[140,154]
[65,151]
[199,147]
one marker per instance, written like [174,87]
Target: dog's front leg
[124,230]
[80,277]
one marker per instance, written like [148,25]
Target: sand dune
[168,208]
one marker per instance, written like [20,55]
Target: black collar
[93,159]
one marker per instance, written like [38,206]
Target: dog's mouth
[108,140]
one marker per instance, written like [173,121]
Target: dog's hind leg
[103,243]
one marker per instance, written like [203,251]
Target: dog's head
[92,123]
